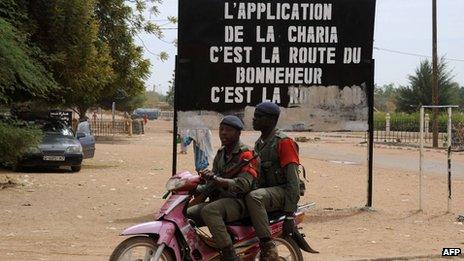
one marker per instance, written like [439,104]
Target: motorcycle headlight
[74,149]
[175,183]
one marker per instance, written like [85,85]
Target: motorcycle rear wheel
[138,248]
[287,249]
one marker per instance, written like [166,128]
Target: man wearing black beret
[226,186]
[278,180]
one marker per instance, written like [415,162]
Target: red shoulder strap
[252,166]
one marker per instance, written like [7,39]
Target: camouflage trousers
[215,214]
[261,201]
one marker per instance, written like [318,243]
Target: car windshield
[57,128]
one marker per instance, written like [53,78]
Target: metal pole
[370,158]
[421,151]
[370,119]
[113,111]
[435,91]
[174,127]
[449,159]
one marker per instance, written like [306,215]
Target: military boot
[228,254]
[268,252]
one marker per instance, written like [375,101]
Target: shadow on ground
[43,170]
[326,215]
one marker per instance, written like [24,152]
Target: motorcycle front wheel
[137,249]
[287,249]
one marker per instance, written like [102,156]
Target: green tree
[16,140]
[461,96]
[80,62]
[21,76]
[170,92]
[15,13]
[153,98]
[419,92]
[385,97]
[118,26]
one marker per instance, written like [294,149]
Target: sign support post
[370,149]
[174,122]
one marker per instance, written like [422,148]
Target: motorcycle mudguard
[301,242]
[165,231]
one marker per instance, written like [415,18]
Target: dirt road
[78,216]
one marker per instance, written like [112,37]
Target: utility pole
[435,92]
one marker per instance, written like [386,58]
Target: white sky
[400,25]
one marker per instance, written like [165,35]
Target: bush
[16,139]
[410,122]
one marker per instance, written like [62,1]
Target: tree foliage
[15,13]
[385,98]
[153,99]
[22,76]
[118,26]
[80,63]
[419,92]
[16,140]
[170,92]
[461,96]
[81,51]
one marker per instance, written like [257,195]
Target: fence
[116,127]
[457,134]
[167,115]
[405,129]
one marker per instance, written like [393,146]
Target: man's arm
[292,188]
[289,161]
[242,183]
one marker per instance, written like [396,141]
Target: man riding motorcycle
[278,182]
[224,190]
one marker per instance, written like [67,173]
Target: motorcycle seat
[273,217]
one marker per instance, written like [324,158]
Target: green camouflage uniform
[278,187]
[225,205]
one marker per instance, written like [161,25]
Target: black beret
[232,121]
[268,108]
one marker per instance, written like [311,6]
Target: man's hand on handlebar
[206,174]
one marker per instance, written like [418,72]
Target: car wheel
[76,168]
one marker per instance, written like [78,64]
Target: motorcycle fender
[165,231]
[301,242]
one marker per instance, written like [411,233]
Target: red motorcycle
[172,236]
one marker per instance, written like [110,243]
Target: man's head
[229,130]
[266,116]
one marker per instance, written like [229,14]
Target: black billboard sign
[313,57]
[65,116]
